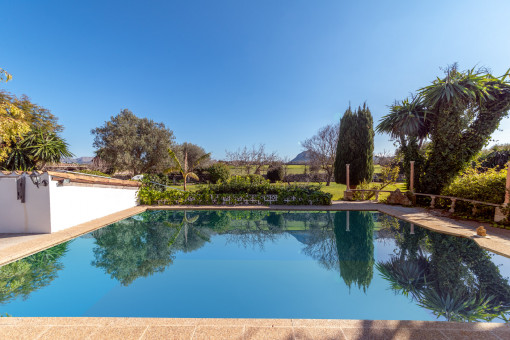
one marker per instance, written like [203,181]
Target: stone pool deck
[16,246]
[245,329]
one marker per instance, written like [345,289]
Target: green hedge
[486,186]
[249,190]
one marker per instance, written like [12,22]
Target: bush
[238,190]
[219,172]
[486,186]
[275,174]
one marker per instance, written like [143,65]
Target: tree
[194,152]
[127,142]
[219,172]
[13,123]
[35,150]
[256,158]
[184,168]
[457,114]
[355,146]
[322,149]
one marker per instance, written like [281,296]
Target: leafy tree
[457,113]
[127,142]
[355,146]
[194,152]
[219,172]
[13,122]
[322,149]
[185,168]
[35,150]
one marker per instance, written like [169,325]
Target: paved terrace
[16,246]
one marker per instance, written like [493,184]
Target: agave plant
[36,149]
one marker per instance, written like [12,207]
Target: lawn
[291,169]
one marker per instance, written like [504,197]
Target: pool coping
[177,328]
[148,328]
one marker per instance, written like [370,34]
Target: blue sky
[224,74]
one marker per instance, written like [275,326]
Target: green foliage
[184,166]
[237,190]
[36,149]
[486,186]
[275,174]
[458,113]
[219,172]
[139,145]
[355,146]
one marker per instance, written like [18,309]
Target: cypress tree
[355,146]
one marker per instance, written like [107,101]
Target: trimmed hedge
[250,190]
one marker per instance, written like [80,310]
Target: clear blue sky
[224,74]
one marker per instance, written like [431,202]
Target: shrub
[219,172]
[275,174]
[486,186]
[237,190]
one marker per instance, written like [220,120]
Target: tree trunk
[185,178]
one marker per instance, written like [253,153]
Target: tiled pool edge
[418,216]
[159,328]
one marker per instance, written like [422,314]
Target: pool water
[261,264]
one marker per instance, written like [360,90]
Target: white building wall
[56,207]
[33,216]
[75,204]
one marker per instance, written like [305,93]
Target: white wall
[72,205]
[52,208]
[33,216]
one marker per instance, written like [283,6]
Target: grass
[337,190]
[291,169]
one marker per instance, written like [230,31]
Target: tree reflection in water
[20,278]
[451,276]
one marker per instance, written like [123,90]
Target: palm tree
[185,170]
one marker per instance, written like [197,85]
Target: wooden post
[507,194]
[347,176]
[347,222]
[412,228]
[411,179]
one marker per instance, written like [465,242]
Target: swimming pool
[261,264]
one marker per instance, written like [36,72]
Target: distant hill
[302,158]
[79,160]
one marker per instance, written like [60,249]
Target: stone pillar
[499,214]
[411,179]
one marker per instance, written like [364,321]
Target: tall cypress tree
[355,146]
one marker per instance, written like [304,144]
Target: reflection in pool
[261,264]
